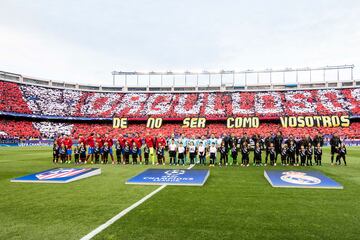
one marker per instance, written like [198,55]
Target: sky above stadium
[83,41]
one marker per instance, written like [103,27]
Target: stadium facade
[249,80]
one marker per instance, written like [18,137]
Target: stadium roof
[224,80]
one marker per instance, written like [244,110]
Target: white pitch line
[105,225]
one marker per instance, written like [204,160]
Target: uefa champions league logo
[299,178]
[174,172]
[170,176]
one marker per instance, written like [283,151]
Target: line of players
[97,149]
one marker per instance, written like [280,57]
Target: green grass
[235,203]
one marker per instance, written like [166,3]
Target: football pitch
[234,203]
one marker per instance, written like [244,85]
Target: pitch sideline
[105,225]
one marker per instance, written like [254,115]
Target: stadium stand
[43,101]
[28,110]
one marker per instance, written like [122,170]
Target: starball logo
[174,172]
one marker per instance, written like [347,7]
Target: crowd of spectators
[29,99]
[11,98]
[19,129]
[27,129]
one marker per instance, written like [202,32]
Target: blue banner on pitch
[59,175]
[300,179]
[187,177]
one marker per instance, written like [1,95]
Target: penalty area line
[105,225]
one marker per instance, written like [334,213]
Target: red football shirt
[59,141]
[109,142]
[149,141]
[121,141]
[99,141]
[129,140]
[68,143]
[161,140]
[138,141]
[81,140]
[90,141]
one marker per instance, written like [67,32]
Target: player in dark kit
[290,138]
[134,153]
[318,142]
[309,154]
[82,153]
[318,139]
[77,154]
[233,141]
[223,153]
[334,143]
[106,151]
[292,149]
[245,138]
[100,141]
[272,154]
[318,154]
[256,138]
[277,144]
[257,154]
[302,154]
[297,151]
[96,153]
[226,140]
[160,154]
[118,150]
[234,153]
[287,142]
[62,153]
[284,155]
[146,154]
[81,140]
[305,142]
[245,154]
[341,154]
[268,141]
[55,152]
[126,152]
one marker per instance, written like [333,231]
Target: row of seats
[30,99]
[27,129]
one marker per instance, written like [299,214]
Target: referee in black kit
[334,143]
